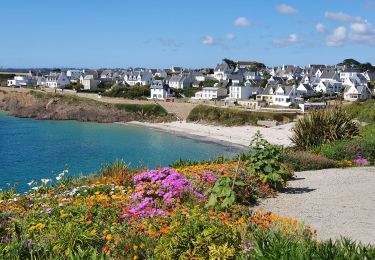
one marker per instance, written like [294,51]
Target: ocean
[35,149]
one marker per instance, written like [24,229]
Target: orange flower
[88,222]
[165,230]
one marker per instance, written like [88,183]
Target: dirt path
[336,202]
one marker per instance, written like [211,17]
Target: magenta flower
[361,161]
[157,190]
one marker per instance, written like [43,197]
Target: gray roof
[371,75]
[328,74]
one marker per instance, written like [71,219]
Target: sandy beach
[238,135]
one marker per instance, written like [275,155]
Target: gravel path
[336,202]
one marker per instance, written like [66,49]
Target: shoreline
[237,136]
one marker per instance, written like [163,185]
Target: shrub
[304,161]
[143,109]
[362,146]
[133,92]
[263,160]
[199,237]
[325,126]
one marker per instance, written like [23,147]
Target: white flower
[45,181]
[30,183]
[35,188]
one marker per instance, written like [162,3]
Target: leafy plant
[263,160]
[222,193]
[325,126]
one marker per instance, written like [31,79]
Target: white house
[250,75]
[160,73]
[20,81]
[305,90]
[209,93]
[222,71]
[285,95]
[328,87]
[106,74]
[359,92]
[57,80]
[159,90]
[89,82]
[348,73]
[238,92]
[138,77]
[179,81]
[73,75]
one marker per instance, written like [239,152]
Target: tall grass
[362,110]
[115,170]
[322,127]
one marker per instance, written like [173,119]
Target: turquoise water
[33,149]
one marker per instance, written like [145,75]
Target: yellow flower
[97,193]
[93,232]
[142,245]
[135,248]
[108,237]
[81,219]
[135,257]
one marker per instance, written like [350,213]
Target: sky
[191,34]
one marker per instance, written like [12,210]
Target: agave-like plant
[323,126]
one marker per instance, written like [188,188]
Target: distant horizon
[194,34]
[178,65]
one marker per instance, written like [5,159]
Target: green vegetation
[306,161]
[187,92]
[323,126]
[263,159]
[143,109]
[232,117]
[74,85]
[356,64]
[362,146]
[364,111]
[132,92]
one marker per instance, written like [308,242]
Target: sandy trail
[336,202]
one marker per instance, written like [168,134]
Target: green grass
[144,109]
[363,145]
[363,110]
[232,117]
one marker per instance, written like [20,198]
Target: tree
[232,64]
[350,63]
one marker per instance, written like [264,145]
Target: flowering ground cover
[200,211]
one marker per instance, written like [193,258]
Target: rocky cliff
[39,105]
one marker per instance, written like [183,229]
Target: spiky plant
[323,126]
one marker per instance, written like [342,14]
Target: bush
[325,126]
[305,161]
[199,238]
[263,160]
[133,92]
[231,117]
[361,146]
[143,109]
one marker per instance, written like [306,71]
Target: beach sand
[237,135]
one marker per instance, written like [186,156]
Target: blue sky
[195,33]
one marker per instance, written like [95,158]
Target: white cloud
[242,21]
[341,17]
[286,9]
[208,40]
[337,38]
[320,28]
[231,36]
[290,40]
[354,28]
